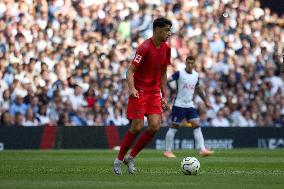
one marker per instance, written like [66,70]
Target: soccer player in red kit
[147,82]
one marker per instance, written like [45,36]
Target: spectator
[118,120]
[34,105]
[6,119]
[90,97]
[78,117]
[66,92]
[218,102]
[5,100]
[3,84]
[98,120]
[18,106]
[249,121]
[42,116]
[19,118]
[30,95]
[64,120]
[220,120]
[30,119]
[54,109]
[90,118]
[204,122]
[77,98]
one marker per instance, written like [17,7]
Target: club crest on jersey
[137,58]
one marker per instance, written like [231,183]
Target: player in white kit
[184,109]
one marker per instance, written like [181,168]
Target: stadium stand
[64,62]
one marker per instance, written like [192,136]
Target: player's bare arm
[200,91]
[130,80]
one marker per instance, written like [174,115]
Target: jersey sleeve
[140,55]
[175,76]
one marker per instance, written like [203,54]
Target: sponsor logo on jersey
[188,86]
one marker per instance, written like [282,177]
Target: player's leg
[169,141]
[129,137]
[136,127]
[153,110]
[154,123]
[135,112]
[193,118]
[177,117]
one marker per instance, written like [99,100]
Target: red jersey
[150,62]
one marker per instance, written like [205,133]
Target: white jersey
[186,84]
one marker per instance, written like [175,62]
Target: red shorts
[146,104]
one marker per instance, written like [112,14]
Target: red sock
[143,140]
[126,144]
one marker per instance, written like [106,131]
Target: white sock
[117,161]
[198,137]
[169,141]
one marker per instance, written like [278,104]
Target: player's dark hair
[161,22]
[191,58]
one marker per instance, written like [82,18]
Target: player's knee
[136,130]
[136,127]
[153,130]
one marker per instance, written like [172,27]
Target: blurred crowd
[64,62]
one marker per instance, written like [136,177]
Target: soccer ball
[190,166]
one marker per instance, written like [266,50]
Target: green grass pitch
[65,169]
